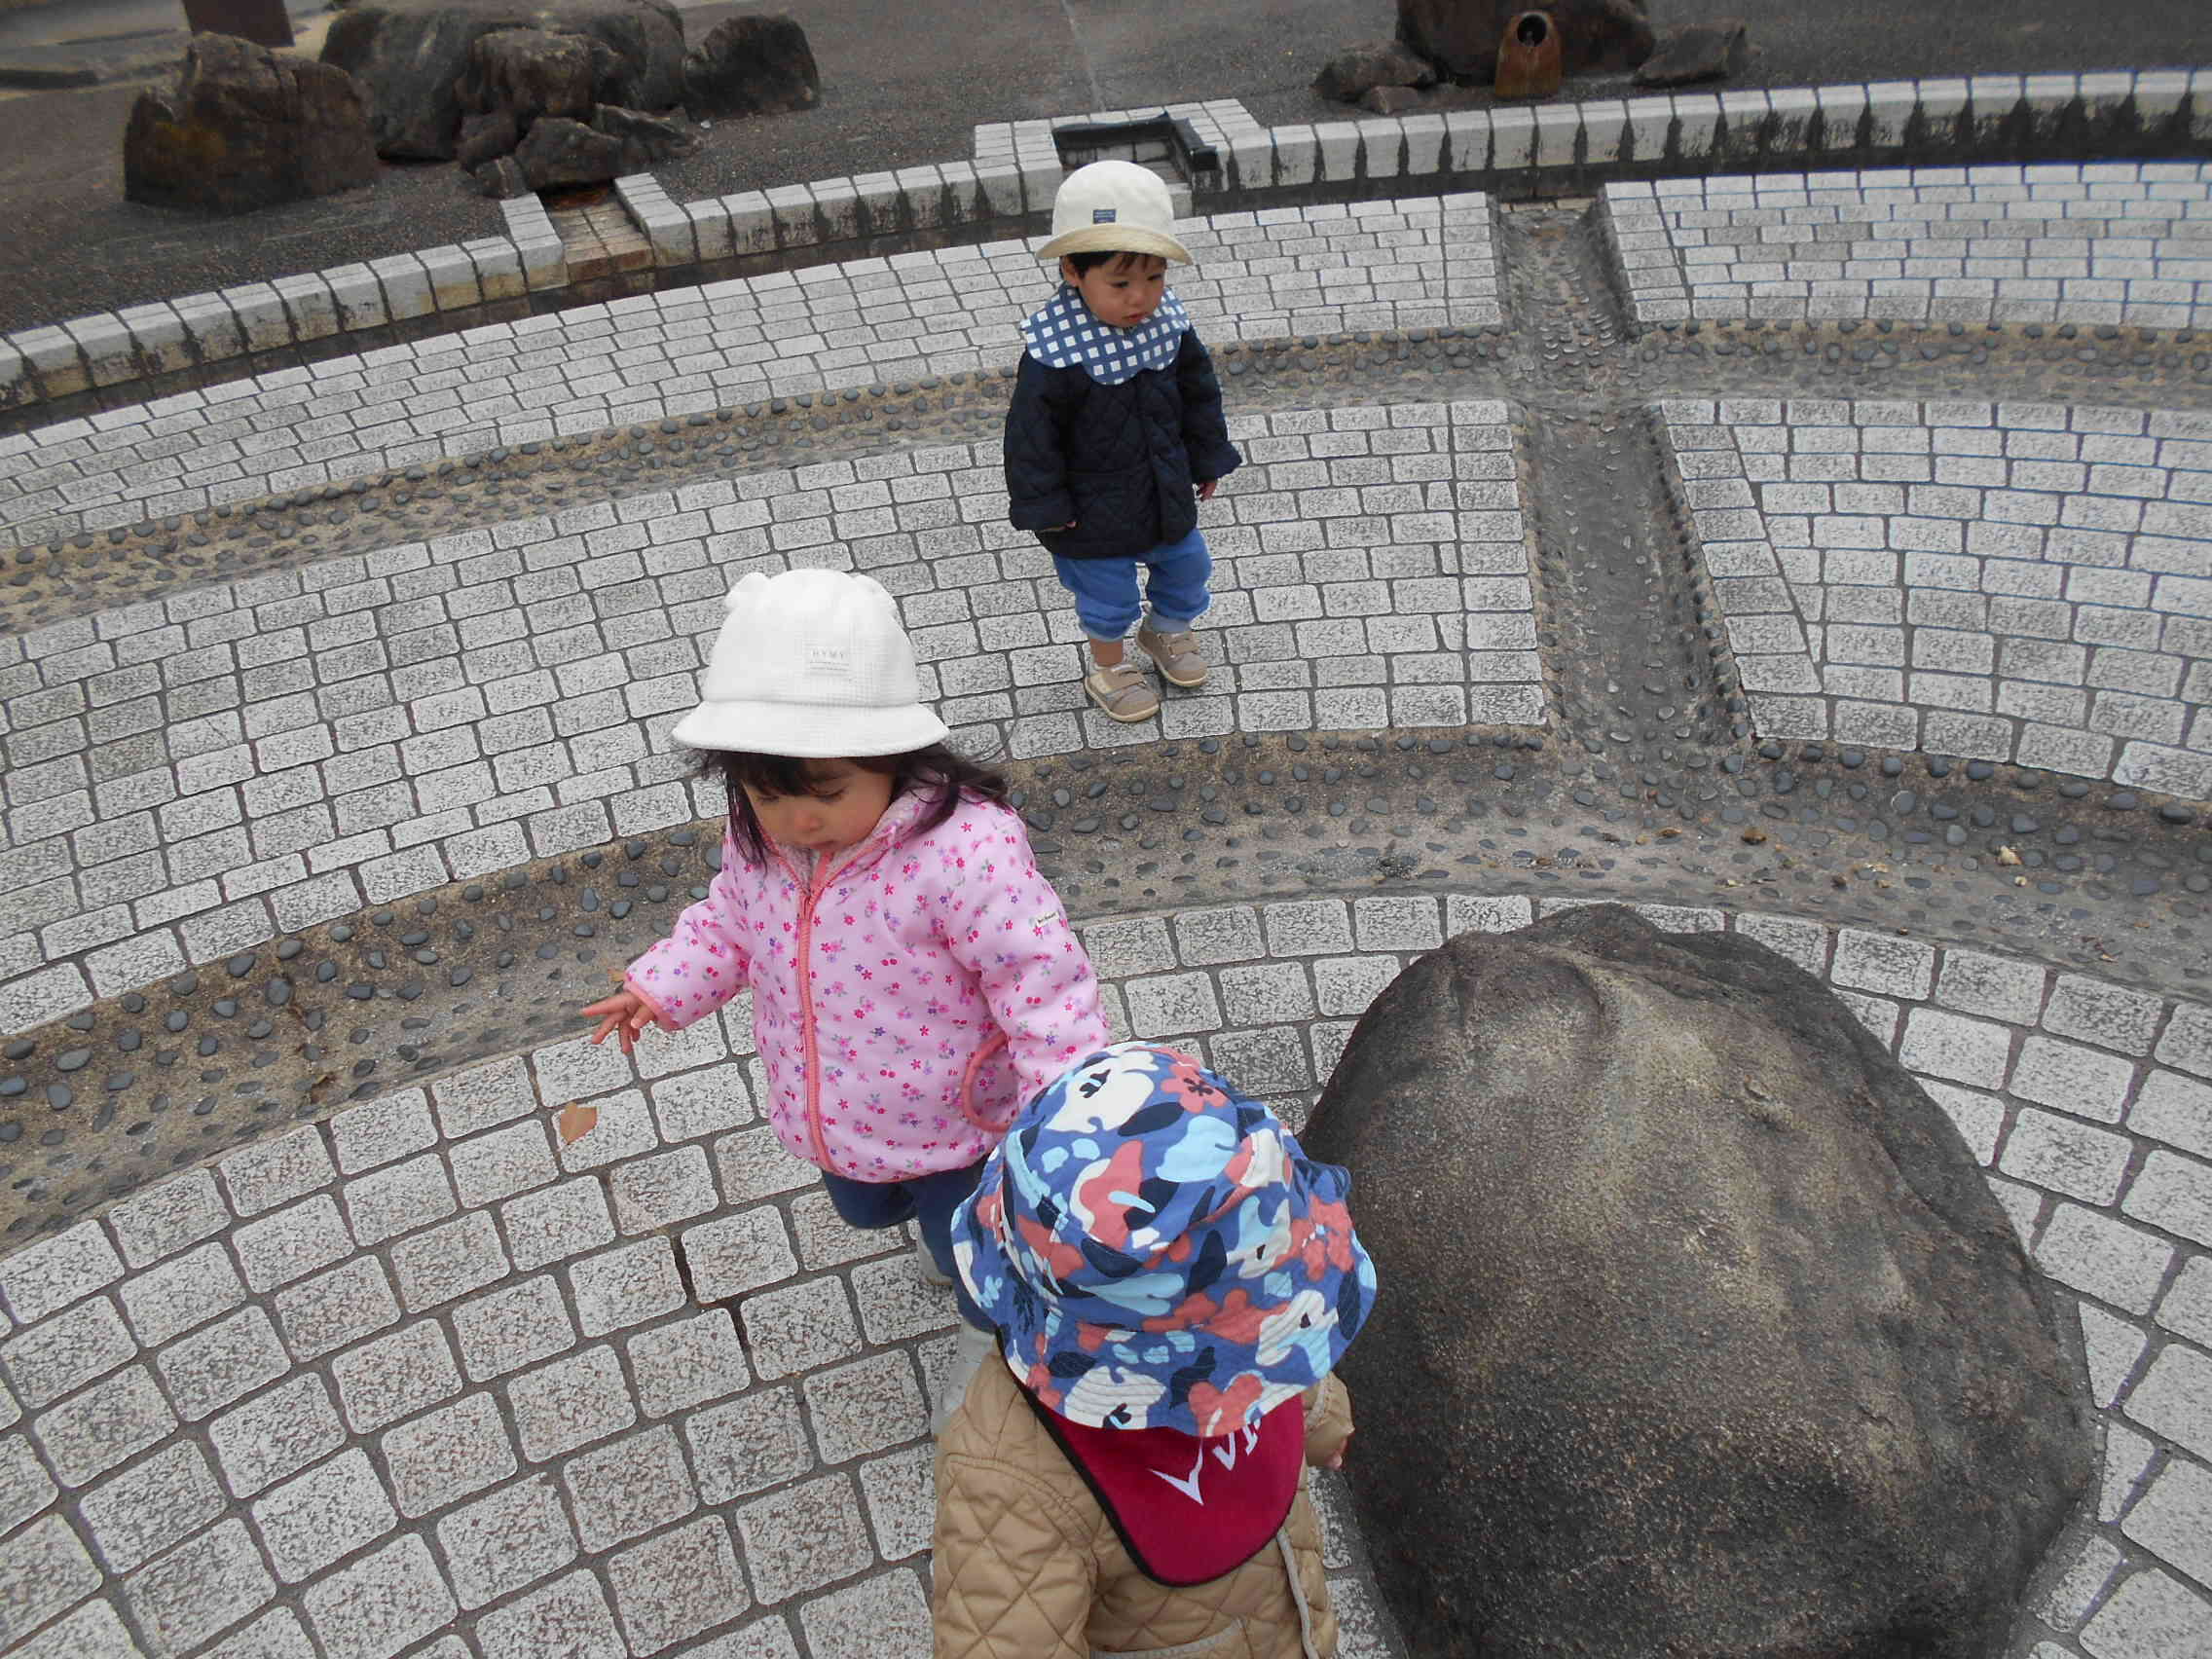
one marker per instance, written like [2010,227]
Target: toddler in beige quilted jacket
[1172,1282]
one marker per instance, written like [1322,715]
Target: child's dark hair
[1118,258]
[938,767]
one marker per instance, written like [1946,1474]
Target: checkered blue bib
[1064,335]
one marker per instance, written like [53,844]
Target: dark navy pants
[929,1199]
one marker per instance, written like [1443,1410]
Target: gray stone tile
[25,1487]
[901,1492]
[279,1249]
[802,1537]
[225,1362]
[2174,1109]
[2107,1259]
[380,1604]
[276,1434]
[826,1240]
[272,1172]
[659,1191]
[198,1589]
[570,1403]
[398,1200]
[627,1489]
[511,1327]
[63,1353]
[798,1327]
[677,1585]
[445,1262]
[336,1307]
[2174,1194]
[141,1512]
[500,1543]
[184,1292]
[162,1220]
[497,1166]
[750,1444]
[889,1614]
[445,1456]
[625,1286]
[92,1431]
[94,1631]
[569,1616]
[45,1277]
[753,1164]
[396,1375]
[867,1406]
[277,1635]
[701,1102]
[484,1097]
[734,1254]
[897,1303]
[2109,1016]
[764,1638]
[372,1134]
[43,1569]
[2150,1616]
[687,1362]
[327,1513]
[557,1222]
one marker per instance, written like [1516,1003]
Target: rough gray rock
[1358,70]
[245,128]
[1461,37]
[758,65]
[528,73]
[556,150]
[411,56]
[1701,1333]
[646,139]
[502,177]
[1704,52]
[485,137]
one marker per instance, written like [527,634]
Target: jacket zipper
[808,1044]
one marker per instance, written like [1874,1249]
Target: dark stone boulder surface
[245,128]
[756,64]
[413,57]
[1461,37]
[526,73]
[1701,1333]
[1702,53]
[1358,70]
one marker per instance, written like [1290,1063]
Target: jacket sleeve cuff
[652,1005]
[1043,512]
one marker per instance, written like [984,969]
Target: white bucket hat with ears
[1114,207]
[811,664]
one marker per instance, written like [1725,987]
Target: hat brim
[809,732]
[1116,238]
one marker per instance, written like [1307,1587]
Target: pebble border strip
[1015,167]
[143,1335]
[198,773]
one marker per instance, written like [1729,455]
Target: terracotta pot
[1528,58]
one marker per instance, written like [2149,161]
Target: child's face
[1122,291]
[838,813]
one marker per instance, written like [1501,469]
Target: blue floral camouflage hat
[1157,1251]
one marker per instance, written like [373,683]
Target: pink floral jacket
[906,999]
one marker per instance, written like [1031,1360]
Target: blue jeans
[1106,589]
[929,1199]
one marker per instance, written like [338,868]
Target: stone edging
[1512,151]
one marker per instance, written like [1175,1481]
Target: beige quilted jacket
[1027,1566]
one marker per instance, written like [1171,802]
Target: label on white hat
[824,658]
[1102,215]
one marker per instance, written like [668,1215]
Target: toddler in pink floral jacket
[914,978]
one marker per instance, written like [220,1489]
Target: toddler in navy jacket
[1116,434]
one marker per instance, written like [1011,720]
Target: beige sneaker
[1123,691]
[1178,656]
[970,1350]
[925,1263]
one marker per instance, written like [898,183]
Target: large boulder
[1360,69]
[414,54]
[1461,37]
[1702,1334]
[526,73]
[245,128]
[756,64]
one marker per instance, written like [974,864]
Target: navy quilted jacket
[1122,462]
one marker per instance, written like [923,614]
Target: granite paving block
[448,1261]
[375,1134]
[164,1219]
[281,1248]
[315,1519]
[45,1277]
[797,1327]
[749,1445]
[657,1192]
[276,1434]
[25,1487]
[378,1605]
[497,1166]
[155,1503]
[867,1406]
[570,1403]
[335,1307]
[2150,1615]
[900,1494]
[393,1377]
[43,1570]
[888,1612]
[801,1537]
[447,1454]
[93,1631]
[625,1490]
[198,1589]
[569,1616]
[500,1543]
[60,1354]
[511,1327]
[394,1200]
[687,1362]
[677,1585]
[557,1222]
[186,1291]
[94,1430]
[276,1634]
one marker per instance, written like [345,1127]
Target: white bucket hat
[1114,207]
[811,664]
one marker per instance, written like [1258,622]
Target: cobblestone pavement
[324,810]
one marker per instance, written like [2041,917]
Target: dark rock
[412,56]
[559,151]
[1358,70]
[264,23]
[485,137]
[1393,100]
[247,128]
[646,139]
[757,64]
[503,178]
[1701,1332]
[529,73]
[1704,52]
[1461,37]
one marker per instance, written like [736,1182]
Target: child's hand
[1207,490]
[1058,529]
[625,1012]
